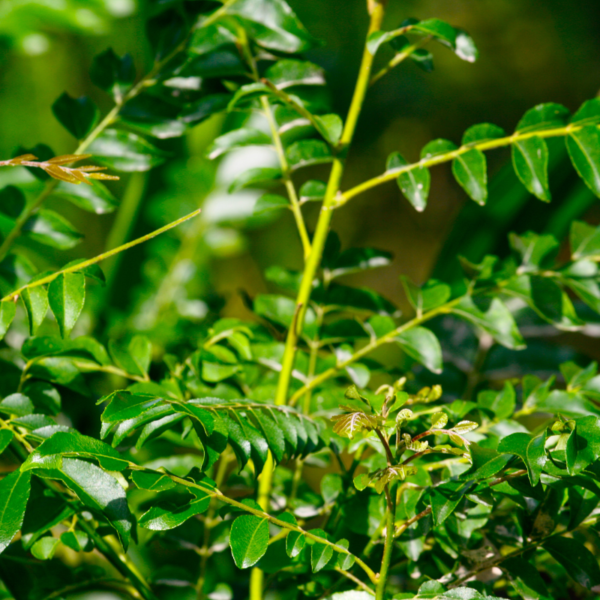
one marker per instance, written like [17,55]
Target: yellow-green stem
[313,261]
[14,296]
[387,548]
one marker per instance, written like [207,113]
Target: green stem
[388,546]
[312,264]
[215,493]
[14,296]
[314,259]
[356,580]
[287,179]
[370,347]
[400,57]
[448,156]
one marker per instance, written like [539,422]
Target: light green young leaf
[66,296]
[45,547]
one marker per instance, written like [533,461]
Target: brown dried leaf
[103,176]
[79,175]
[67,158]
[61,174]
[17,160]
[90,168]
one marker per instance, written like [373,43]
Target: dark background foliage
[530,52]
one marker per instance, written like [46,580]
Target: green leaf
[76,445]
[77,540]
[525,578]
[77,115]
[36,302]
[437,148]
[544,116]
[432,295]
[140,352]
[577,560]
[305,153]
[214,372]
[49,228]
[465,47]
[124,151]
[496,320]
[165,517]
[112,73]
[238,138]
[536,457]
[422,345]
[584,149]
[152,480]
[530,161]
[320,554]
[312,191]
[6,436]
[470,170]
[249,539]
[272,24]
[589,112]
[502,404]
[330,127]
[290,72]
[94,197]
[45,547]
[66,296]
[445,498]
[17,405]
[97,490]
[7,314]
[439,29]
[414,183]
[587,442]
[270,202]
[585,241]
[14,494]
[124,405]
[255,177]
[482,132]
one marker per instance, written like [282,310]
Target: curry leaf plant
[281,456]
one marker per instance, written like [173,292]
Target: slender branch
[448,156]
[356,580]
[398,58]
[14,296]
[215,493]
[287,179]
[388,545]
[370,347]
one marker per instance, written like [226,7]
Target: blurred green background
[530,52]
